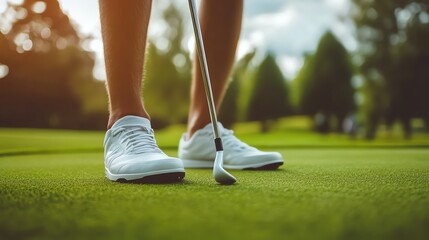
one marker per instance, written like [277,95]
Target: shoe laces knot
[138,139]
[232,142]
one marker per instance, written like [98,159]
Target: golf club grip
[204,67]
[218,144]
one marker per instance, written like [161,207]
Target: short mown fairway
[320,193]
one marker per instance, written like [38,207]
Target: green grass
[288,133]
[51,188]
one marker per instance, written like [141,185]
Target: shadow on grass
[167,178]
[177,179]
[269,167]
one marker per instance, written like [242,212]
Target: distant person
[130,149]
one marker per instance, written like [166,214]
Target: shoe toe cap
[256,159]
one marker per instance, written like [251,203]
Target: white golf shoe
[199,152]
[131,153]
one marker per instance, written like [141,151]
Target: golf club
[220,174]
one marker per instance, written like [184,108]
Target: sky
[286,28]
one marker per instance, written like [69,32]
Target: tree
[325,84]
[229,110]
[43,53]
[168,73]
[393,38]
[229,106]
[269,98]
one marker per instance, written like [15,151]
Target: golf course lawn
[320,193]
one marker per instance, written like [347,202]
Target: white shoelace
[230,141]
[137,139]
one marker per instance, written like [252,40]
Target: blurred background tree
[230,107]
[49,81]
[46,71]
[270,97]
[168,73]
[324,85]
[393,37]
[228,111]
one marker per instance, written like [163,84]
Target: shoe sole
[161,176]
[269,165]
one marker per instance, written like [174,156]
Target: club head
[221,175]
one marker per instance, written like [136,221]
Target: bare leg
[124,27]
[220,26]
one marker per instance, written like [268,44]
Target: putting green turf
[318,194]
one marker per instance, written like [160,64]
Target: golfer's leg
[220,25]
[124,28]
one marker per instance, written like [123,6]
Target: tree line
[49,81]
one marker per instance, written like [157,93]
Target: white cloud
[17,2]
[291,28]
[338,6]
[286,28]
[85,14]
[290,65]
[3,6]
[274,20]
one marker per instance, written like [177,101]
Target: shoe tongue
[132,120]
[209,127]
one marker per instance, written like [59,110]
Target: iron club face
[220,174]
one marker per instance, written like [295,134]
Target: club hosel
[218,144]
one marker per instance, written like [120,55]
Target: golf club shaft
[204,68]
